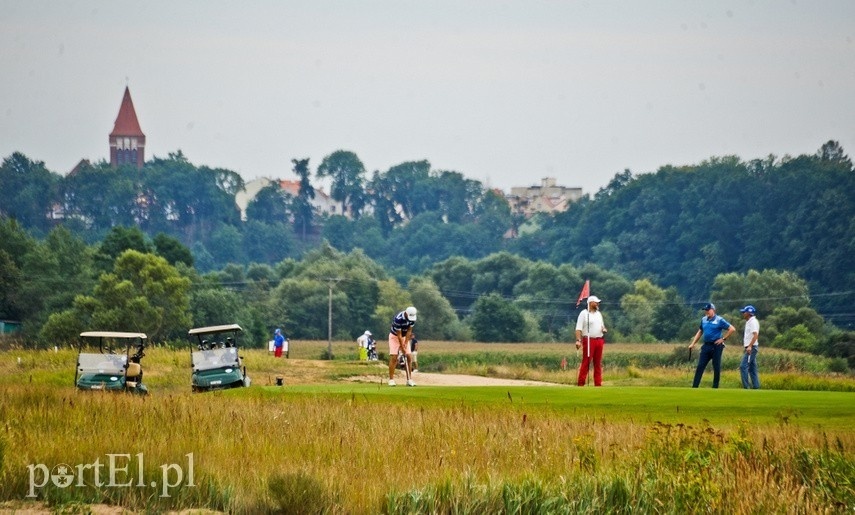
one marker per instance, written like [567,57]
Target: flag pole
[590,358]
[584,294]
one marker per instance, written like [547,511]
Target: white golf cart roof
[215,329]
[112,334]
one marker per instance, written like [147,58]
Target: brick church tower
[127,141]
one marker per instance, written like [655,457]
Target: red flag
[585,293]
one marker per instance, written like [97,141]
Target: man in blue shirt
[711,328]
[278,343]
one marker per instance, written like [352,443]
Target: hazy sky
[504,92]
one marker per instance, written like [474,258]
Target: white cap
[368,333]
[593,298]
[411,313]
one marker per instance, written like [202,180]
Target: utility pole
[331,282]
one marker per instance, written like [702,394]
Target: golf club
[407,367]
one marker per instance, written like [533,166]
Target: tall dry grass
[264,452]
[259,451]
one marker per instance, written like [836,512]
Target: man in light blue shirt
[711,328]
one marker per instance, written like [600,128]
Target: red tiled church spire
[127,141]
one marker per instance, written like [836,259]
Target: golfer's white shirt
[590,323]
[751,326]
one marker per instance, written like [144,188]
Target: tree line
[661,242]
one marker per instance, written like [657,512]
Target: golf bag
[372,350]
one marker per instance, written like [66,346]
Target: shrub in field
[797,338]
[838,365]
[298,493]
[633,371]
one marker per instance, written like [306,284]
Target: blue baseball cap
[748,309]
[708,306]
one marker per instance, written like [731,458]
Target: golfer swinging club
[402,331]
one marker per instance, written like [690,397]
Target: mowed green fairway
[723,407]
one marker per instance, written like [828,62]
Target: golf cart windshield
[215,358]
[97,363]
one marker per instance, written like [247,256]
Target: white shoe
[391,382]
[410,382]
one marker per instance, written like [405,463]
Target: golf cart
[216,362]
[113,367]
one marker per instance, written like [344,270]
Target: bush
[797,338]
[838,365]
[298,493]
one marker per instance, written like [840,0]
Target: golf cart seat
[134,370]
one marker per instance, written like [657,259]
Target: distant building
[127,141]
[249,191]
[546,198]
[322,203]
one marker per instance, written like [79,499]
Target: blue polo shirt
[713,328]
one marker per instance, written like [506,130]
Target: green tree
[499,273]
[454,278]
[832,153]
[639,308]
[226,245]
[798,338]
[348,180]
[766,290]
[117,241]
[382,197]
[271,205]
[172,250]
[14,245]
[10,284]
[28,191]
[301,306]
[301,300]
[14,239]
[493,216]
[303,209]
[437,320]
[364,233]
[261,273]
[784,318]
[189,200]
[143,293]
[353,274]
[392,298]
[460,198]
[104,197]
[495,319]
[58,269]
[427,239]
[408,187]
[202,258]
[268,243]
[547,292]
[673,319]
[217,306]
